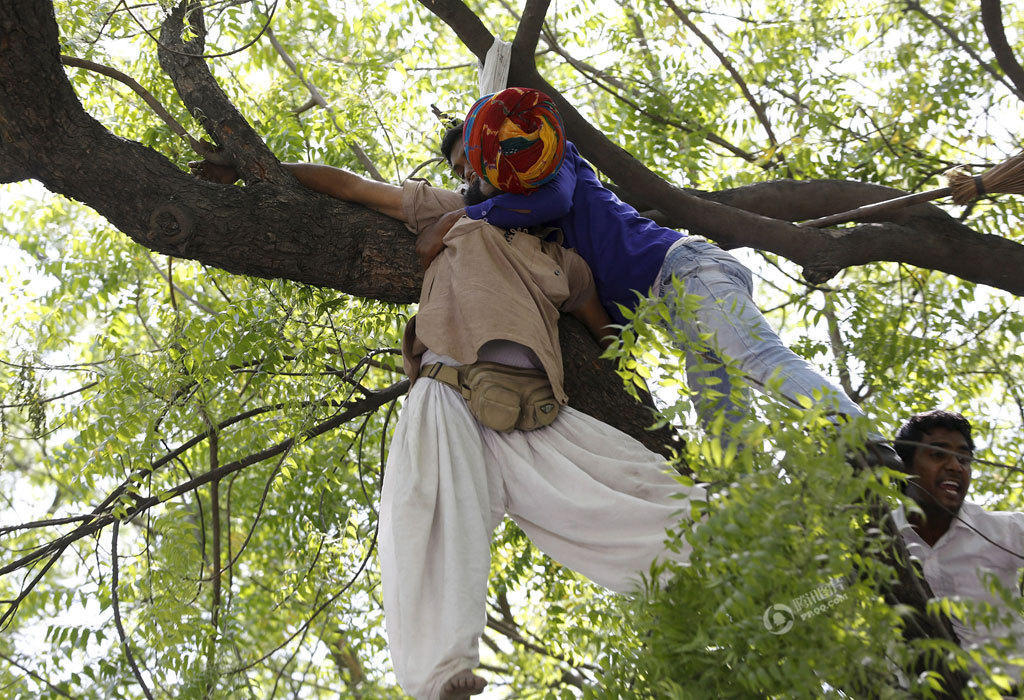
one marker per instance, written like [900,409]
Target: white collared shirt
[957,564]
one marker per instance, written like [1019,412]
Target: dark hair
[452,134]
[920,423]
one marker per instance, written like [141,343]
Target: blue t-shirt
[625,251]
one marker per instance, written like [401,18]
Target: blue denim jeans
[735,329]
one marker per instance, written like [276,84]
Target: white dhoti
[588,495]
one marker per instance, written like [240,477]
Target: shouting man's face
[943,470]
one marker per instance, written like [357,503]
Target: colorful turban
[514,139]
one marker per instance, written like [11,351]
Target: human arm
[338,183]
[430,241]
[596,319]
[583,301]
[341,184]
[549,202]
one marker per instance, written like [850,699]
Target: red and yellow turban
[514,139]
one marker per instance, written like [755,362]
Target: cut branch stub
[172,224]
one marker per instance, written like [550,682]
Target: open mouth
[950,486]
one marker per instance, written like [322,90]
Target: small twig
[44,523]
[13,605]
[175,288]
[203,148]
[915,6]
[727,64]
[315,98]
[211,651]
[320,609]
[48,399]
[606,83]
[243,47]
[35,675]
[638,30]
[835,339]
[232,560]
[422,165]
[169,277]
[117,612]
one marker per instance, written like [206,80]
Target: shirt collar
[966,519]
[899,518]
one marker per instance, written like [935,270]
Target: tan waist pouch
[501,397]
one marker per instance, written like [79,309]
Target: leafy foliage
[119,366]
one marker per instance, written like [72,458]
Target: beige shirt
[490,284]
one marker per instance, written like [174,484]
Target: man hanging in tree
[465,451]
[547,181]
[958,543]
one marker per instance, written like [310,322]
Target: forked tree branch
[200,147]
[206,100]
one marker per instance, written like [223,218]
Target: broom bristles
[1005,178]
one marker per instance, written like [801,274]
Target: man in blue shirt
[633,257]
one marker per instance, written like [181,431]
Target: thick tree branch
[732,227]
[10,171]
[273,230]
[464,22]
[207,102]
[528,33]
[825,252]
[904,239]
[992,20]
[263,230]
[284,231]
[895,243]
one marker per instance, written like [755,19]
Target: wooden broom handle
[883,207]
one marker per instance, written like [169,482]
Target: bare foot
[462,685]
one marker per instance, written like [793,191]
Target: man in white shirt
[959,544]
